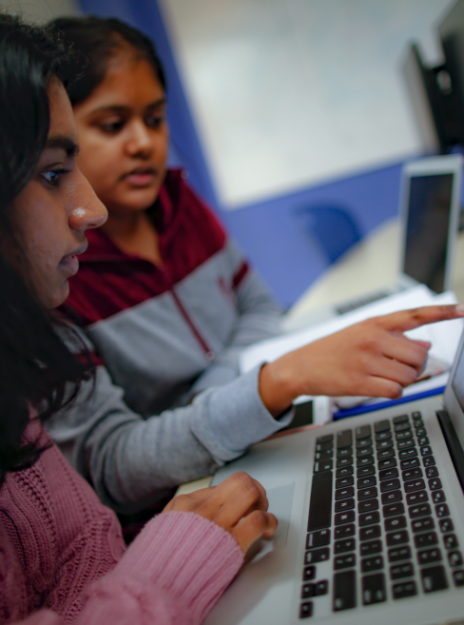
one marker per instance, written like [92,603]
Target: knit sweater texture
[169,405]
[63,560]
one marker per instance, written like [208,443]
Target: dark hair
[35,364]
[95,41]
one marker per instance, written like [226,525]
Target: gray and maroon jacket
[166,336]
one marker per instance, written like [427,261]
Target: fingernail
[460,309]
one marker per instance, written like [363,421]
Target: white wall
[40,10]
[288,93]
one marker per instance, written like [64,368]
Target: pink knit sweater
[63,560]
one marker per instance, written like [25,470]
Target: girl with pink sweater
[62,557]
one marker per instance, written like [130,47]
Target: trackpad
[280,504]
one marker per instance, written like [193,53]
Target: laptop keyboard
[370,482]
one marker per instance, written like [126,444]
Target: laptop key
[426,540]
[446,525]
[324,446]
[365,471]
[344,471]
[421,432]
[375,563]
[434,578]
[344,517]
[410,464]
[363,462]
[428,461]
[420,496]
[435,483]
[418,423]
[344,452]
[368,506]
[344,504]
[392,497]
[363,431]
[397,538]
[458,577]
[343,546]
[364,451]
[383,436]
[393,509]
[423,525]
[369,518]
[405,454]
[411,474]
[416,415]
[455,558]
[306,609]
[400,436]
[382,426]
[344,462]
[320,507]
[308,591]
[364,482]
[386,444]
[402,427]
[345,562]
[451,541]
[442,510]
[344,481]
[403,590]
[431,472]
[438,496]
[395,523]
[317,555]
[414,485]
[406,444]
[325,439]
[318,539]
[400,419]
[369,532]
[428,556]
[385,453]
[367,493]
[344,493]
[399,571]
[422,440]
[426,450]
[373,589]
[324,465]
[399,553]
[345,531]
[324,455]
[388,463]
[370,548]
[344,439]
[422,509]
[344,591]
[363,443]
[389,485]
[388,474]
[309,573]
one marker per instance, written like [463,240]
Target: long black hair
[95,41]
[37,369]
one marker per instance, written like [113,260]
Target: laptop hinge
[452,441]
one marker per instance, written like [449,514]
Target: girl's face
[124,136]
[52,213]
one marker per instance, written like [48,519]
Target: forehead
[129,81]
[61,114]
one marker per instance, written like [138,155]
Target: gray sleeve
[128,460]
[259,318]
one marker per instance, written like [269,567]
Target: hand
[238,505]
[372,358]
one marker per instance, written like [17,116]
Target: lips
[70,262]
[141,176]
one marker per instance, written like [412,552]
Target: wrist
[275,388]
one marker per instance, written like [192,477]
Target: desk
[370,266]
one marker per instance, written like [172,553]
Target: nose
[87,211]
[140,140]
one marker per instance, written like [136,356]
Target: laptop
[371,520]
[429,215]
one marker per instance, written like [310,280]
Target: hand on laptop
[371,358]
[238,505]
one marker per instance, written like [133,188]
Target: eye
[154,121]
[112,127]
[53,177]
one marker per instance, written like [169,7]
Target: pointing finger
[416,317]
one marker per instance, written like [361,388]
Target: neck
[134,233]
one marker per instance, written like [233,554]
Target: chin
[59,296]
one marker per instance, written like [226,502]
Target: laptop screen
[429,213]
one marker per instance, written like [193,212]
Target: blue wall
[280,247]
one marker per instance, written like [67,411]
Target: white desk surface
[369,266]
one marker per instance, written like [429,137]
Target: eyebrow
[63,143]
[120,109]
